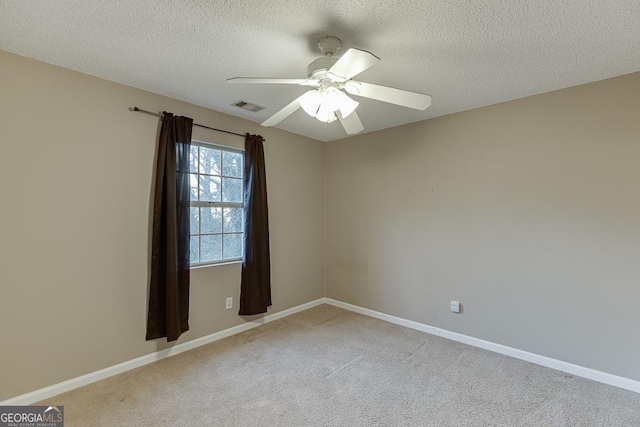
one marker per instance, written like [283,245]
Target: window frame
[220,204]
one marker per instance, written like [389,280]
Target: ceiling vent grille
[248,106]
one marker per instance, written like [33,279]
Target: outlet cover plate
[455,306]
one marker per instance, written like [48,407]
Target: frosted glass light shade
[331,99]
[347,105]
[310,102]
[325,113]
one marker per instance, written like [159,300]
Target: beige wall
[528,212]
[75,181]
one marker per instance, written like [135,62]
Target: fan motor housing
[317,70]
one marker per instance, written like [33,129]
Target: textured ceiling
[466,54]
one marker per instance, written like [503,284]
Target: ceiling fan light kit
[330,76]
[323,103]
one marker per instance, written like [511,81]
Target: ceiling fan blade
[351,123]
[353,62]
[303,82]
[284,113]
[405,98]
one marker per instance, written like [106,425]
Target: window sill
[215,264]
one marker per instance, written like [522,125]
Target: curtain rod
[140,110]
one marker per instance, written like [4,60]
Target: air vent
[248,106]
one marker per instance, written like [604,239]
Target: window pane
[193,159]
[232,220]
[209,161]
[209,188]
[232,190]
[211,248]
[211,221]
[232,246]
[193,183]
[232,164]
[216,232]
[194,215]
[193,249]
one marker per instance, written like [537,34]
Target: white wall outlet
[229,303]
[455,306]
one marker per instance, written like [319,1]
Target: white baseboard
[56,389]
[580,371]
[570,368]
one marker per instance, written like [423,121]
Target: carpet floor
[330,367]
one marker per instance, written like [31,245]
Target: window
[216,203]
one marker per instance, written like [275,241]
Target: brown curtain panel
[168,314]
[255,289]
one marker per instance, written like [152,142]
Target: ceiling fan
[330,77]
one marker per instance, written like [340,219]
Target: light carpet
[330,367]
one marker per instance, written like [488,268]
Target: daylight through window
[216,203]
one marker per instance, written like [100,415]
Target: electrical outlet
[455,306]
[229,303]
